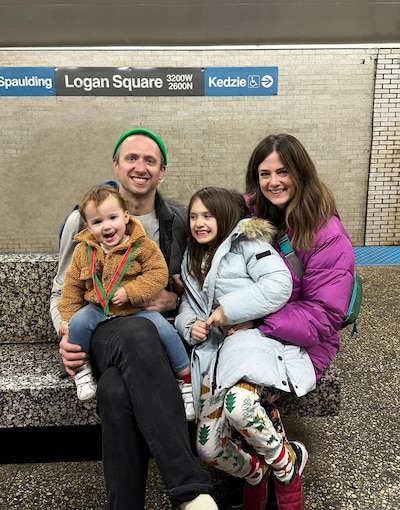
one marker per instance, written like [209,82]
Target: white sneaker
[187,395]
[86,385]
[202,502]
[301,455]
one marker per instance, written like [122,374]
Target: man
[139,401]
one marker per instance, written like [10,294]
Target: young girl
[114,269]
[232,276]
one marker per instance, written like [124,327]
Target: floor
[354,458]
[377,255]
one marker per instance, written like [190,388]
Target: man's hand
[63,329]
[163,302]
[71,354]
[177,284]
[200,330]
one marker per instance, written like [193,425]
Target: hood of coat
[258,228]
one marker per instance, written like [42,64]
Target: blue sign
[127,81]
[241,81]
[27,81]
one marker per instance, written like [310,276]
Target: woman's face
[275,182]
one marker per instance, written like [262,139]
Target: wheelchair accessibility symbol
[255,81]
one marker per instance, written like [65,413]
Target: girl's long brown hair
[227,207]
[312,204]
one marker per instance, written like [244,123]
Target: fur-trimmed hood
[258,228]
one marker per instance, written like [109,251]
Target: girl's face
[203,225]
[107,222]
[275,182]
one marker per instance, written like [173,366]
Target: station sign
[127,81]
[138,81]
[241,81]
[27,81]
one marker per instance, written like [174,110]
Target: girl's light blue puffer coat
[249,279]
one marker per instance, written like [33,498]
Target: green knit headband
[146,132]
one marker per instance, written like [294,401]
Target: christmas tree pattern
[230,401]
[201,404]
[248,413]
[204,434]
[216,403]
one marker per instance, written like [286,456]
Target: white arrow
[267,81]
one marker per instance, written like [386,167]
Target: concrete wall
[339,102]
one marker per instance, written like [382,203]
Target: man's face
[138,169]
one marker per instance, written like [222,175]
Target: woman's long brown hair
[313,203]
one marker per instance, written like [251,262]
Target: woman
[283,186]
[232,276]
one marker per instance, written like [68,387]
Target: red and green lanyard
[105,296]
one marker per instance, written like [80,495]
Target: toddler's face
[107,222]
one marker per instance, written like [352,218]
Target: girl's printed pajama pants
[234,427]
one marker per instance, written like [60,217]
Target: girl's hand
[200,330]
[217,318]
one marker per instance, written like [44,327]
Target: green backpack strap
[290,254]
[354,306]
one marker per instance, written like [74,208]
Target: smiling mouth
[139,179]
[277,191]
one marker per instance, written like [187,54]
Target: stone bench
[32,393]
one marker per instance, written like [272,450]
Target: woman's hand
[242,326]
